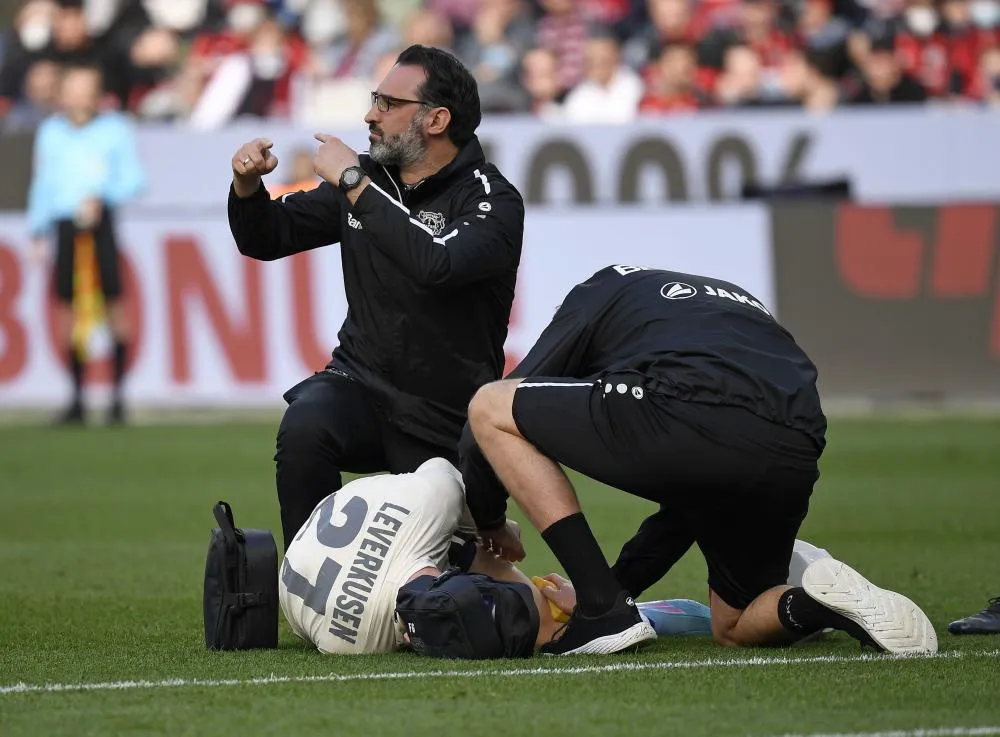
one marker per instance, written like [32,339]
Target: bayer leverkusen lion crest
[433,220]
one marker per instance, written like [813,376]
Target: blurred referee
[85,166]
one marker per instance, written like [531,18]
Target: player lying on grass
[386,540]
[344,569]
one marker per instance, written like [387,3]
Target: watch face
[351,177]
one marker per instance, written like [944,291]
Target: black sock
[76,371]
[119,367]
[573,543]
[803,615]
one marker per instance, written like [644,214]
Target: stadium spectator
[739,84]
[987,82]
[563,28]
[670,22]
[501,34]
[182,17]
[610,13]
[85,167]
[884,81]
[965,42]
[73,44]
[246,70]
[540,78]
[24,45]
[321,22]
[461,14]
[820,30]
[610,91]
[756,27]
[211,61]
[428,28]
[39,99]
[212,46]
[986,15]
[430,236]
[923,49]
[878,11]
[153,57]
[808,81]
[672,86]
[365,39]
[397,12]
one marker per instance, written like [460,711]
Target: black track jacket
[429,273]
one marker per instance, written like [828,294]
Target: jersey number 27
[330,535]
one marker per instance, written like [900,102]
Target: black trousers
[333,425]
[105,251]
[734,483]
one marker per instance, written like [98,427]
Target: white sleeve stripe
[486,183]
[444,239]
[422,226]
[553,384]
[416,222]
[391,199]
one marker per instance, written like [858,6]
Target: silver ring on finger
[245,161]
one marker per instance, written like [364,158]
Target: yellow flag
[88,303]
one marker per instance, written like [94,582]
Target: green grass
[102,541]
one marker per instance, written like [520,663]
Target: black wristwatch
[351,177]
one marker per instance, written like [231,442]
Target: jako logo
[736,297]
[677,290]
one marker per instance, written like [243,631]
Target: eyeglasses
[385,102]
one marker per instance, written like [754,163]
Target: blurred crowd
[208,62]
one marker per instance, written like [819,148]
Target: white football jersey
[803,554]
[341,573]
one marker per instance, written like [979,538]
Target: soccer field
[103,535]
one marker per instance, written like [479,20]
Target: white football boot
[892,622]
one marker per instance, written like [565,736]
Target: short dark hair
[450,85]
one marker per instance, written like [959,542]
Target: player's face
[396,120]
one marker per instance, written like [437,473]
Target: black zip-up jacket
[429,273]
[691,337]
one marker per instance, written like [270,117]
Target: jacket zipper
[396,186]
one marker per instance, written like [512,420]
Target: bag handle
[224,516]
[245,600]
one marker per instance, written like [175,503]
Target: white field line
[620,667]
[937,732]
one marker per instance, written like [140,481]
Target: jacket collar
[469,156]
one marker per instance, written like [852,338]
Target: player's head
[428,98]
[468,616]
[80,89]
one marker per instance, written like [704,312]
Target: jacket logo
[433,220]
[677,290]
[353,221]
[736,297]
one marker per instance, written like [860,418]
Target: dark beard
[401,150]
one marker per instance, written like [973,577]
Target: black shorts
[740,484]
[105,253]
